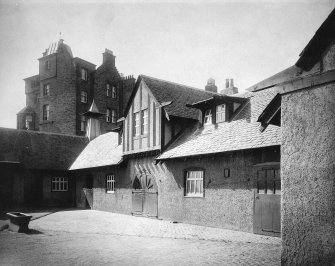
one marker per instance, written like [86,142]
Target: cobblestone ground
[101,238]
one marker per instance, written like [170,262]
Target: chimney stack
[230,89]
[108,57]
[227,83]
[211,85]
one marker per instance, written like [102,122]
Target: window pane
[197,188]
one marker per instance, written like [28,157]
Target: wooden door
[267,201]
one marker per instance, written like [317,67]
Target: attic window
[220,113]
[84,74]
[208,117]
[47,64]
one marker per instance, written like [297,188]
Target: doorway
[267,199]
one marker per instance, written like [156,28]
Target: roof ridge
[183,85]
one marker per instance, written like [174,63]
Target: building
[189,155]
[34,168]
[65,87]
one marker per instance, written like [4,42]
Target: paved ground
[77,237]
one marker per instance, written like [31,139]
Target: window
[83,97]
[220,113]
[59,184]
[82,123]
[46,112]
[110,183]
[268,181]
[46,89]
[137,130]
[194,183]
[113,114]
[144,129]
[84,74]
[29,121]
[47,64]
[108,90]
[113,92]
[108,115]
[208,117]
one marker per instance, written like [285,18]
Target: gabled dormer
[156,114]
[220,107]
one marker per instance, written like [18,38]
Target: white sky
[184,42]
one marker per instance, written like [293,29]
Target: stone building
[65,87]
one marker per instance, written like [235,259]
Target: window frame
[83,121]
[46,89]
[84,74]
[219,113]
[108,90]
[83,96]
[137,124]
[59,184]
[208,116]
[47,64]
[187,193]
[108,115]
[29,121]
[110,179]
[144,121]
[113,92]
[113,116]
[46,112]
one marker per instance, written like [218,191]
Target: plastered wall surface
[308,176]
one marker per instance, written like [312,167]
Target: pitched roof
[40,150]
[179,95]
[102,151]
[323,37]
[27,110]
[55,48]
[243,132]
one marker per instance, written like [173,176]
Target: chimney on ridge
[229,89]
[211,85]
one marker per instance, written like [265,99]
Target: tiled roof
[179,95]
[55,47]
[243,132]
[102,151]
[40,150]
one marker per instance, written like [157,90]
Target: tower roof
[93,111]
[55,48]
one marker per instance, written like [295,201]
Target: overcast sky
[177,41]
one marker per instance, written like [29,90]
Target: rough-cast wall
[308,176]
[228,202]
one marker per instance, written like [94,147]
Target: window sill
[110,192]
[194,196]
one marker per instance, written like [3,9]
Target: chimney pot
[231,83]
[211,85]
[227,83]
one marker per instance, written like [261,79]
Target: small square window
[83,97]
[46,89]
[84,74]
[110,183]
[194,183]
[59,184]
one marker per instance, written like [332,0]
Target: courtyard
[87,237]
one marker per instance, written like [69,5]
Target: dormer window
[113,92]
[220,113]
[108,90]
[208,117]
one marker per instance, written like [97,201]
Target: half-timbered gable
[157,113]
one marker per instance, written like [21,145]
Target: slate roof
[179,95]
[56,46]
[243,132]
[40,150]
[26,110]
[102,151]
